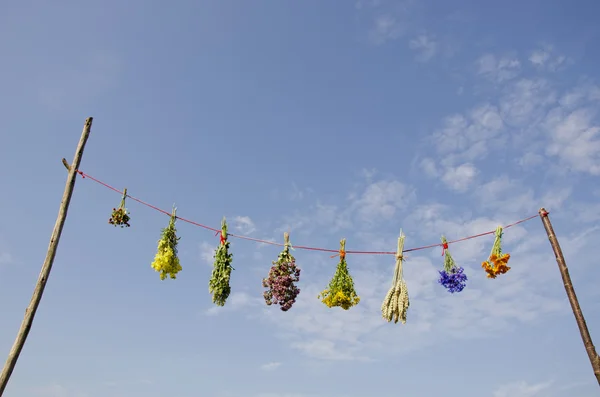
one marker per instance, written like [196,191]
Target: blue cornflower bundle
[453,277]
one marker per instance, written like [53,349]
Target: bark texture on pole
[17,347]
[564,272]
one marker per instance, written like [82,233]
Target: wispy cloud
[546,59]
[270,366]
[522,389]
[236,301]
[244,225]
[207,252]
[498,69]
[425,47]
[56,390]
[386,27]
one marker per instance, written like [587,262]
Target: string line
[306,248]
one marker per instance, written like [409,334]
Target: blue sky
[329,119]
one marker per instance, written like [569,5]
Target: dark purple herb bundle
[280,284]
[454,280]
[453,277]
[120,215]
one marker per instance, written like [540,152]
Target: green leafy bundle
[218,285]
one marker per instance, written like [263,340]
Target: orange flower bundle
[497,262]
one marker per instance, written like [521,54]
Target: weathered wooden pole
[564,272]
[17,347]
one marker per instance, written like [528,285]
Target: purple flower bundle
[280,284]
[454,280]
[453,277]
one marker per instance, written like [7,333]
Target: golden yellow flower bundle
[340,291]
[497,262]
[166,261]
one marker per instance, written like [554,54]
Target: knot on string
[341,254]
[444,248]
[81,173]
[222,238]
[544,213]
[400,257]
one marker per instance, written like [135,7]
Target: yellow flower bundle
[166,261]
[340,291]
[497,262]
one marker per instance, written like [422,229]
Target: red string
[444,246]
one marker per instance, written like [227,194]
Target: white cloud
[539,57]
[545,59]
[425,46]
[429,167]
[575,139]
[386,27]
[522,389]
[498,69]
[236,301]
[270,366]
[207,252]
[382,199]
[470,136]
[524,102]
[460,178]
[244,225]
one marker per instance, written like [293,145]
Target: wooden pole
[17,347]
[564,272]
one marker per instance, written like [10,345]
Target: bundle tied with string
[280,283]
[166,261]
[453,277]
[340,291]
[218,285]
[497,262]
[120,215]
[396,302]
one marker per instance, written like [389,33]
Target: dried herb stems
[166,261]
[218,285]
[280,283]
[396,302]
[120,215]
[340,291]
[497,262]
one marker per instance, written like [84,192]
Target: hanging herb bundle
[340,291]
[453,277]
[396,302]
[166,261]
[120,215]
[281,279]
[218,285]
[497,262]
